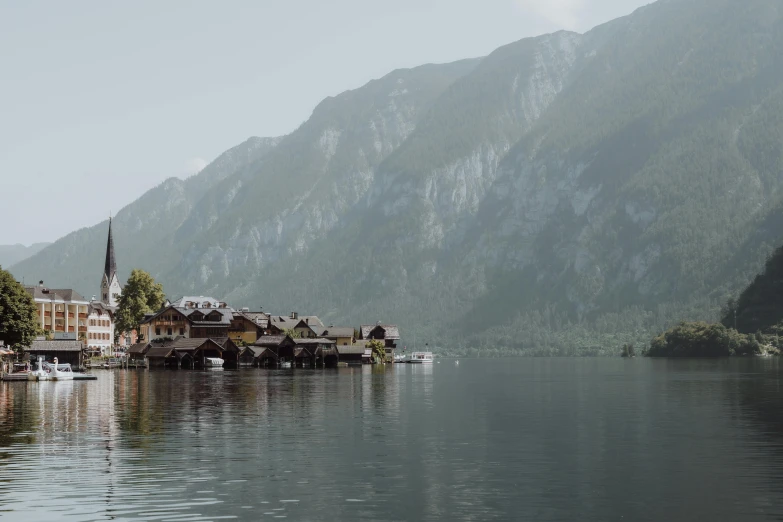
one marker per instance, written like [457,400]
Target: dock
[23,377]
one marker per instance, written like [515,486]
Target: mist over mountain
[565,194]
[10,254]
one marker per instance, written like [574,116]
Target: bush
[703,340]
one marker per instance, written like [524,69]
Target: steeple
[110,268]
[110,283]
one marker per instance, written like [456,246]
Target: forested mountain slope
[565,194]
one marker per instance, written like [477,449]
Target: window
[182,331]
[169,331]
[157,331]
[105,297]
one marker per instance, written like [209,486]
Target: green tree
[18,314]
[140,296]
[293,334]
[378,351]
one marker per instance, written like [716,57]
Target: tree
[19,323]
[293,334]
[378,351]
[140,296]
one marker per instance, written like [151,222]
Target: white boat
[399,358]
[51,372]
[213,362]
[421,358]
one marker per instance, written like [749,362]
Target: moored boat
[421,358]
[51,372]
[213,362]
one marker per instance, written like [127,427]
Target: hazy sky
[102,100]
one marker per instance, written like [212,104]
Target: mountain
[759,307]
[10,254]
[566,194]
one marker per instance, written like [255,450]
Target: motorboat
[213,362]
[421,358]
[399,358]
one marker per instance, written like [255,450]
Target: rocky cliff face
[563,185]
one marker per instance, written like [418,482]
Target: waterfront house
[271,350]
[191,317]
[309,352]
[66,351]
[355,354]
[306,326]
[246,327]
[388,333]
[189,353]
[341,335]
[138,351]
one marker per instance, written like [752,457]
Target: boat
[421,358]
[113,362]
[399,358]
[285,364]
[213,362]
[51,372]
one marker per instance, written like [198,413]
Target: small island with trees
[750,325]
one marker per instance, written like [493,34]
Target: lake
[511,439]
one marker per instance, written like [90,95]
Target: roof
[320,340]
[260,318]
[199,301]
[257,351]
[226,315]
[271,340]
[159,351]
[285,321]
[336,331]
[138,348]
[391,330]
[98,305]
[55,346]
[352,350]
[110,266]
[61,294]
[189,344]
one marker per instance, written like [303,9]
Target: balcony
[82,316]
[82,329]
[60,314]
[47,313]
[70,315]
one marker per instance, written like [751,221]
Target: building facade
[63,313]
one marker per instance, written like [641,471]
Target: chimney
[294,315]
[40,283]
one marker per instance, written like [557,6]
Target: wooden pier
[23,377]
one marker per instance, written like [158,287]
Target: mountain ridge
[564,193]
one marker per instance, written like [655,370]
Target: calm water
[528,439]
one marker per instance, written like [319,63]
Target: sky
[101,101]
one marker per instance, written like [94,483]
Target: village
[193,332]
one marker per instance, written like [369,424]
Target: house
[341,335]
[355,354]
[388,333]
[191,317]
[63,313]
[189,353]
[306,326]
[308,352]
[270,350]
[247,327]
[138,351]
[70,352]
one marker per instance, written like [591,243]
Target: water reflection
[537,439]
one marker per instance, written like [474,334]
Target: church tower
[110,284]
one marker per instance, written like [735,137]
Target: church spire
[110,269]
